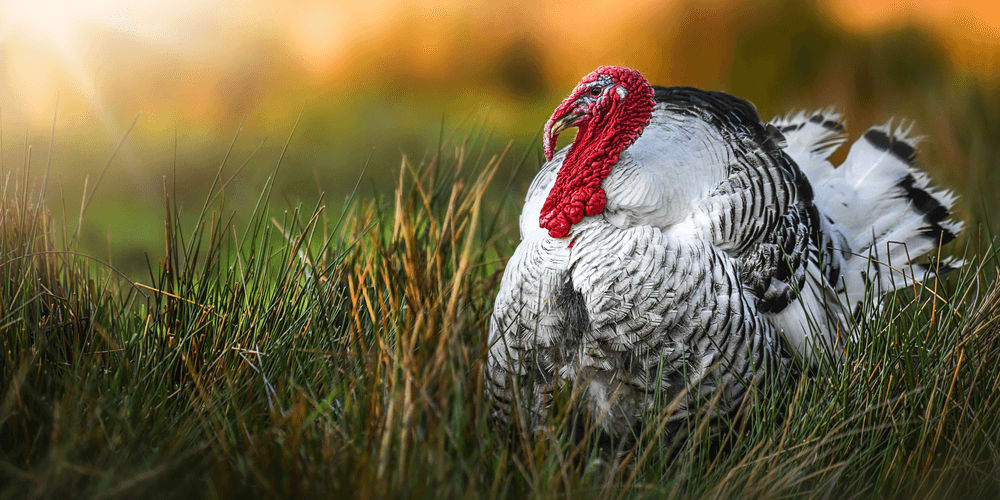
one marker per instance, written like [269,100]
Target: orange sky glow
[120,56]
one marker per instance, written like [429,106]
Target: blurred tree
[519,68]
[780,50]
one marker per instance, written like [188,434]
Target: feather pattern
[620,313]
[723,244]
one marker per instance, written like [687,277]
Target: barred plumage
[722,244]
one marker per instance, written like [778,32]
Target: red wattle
[577,190]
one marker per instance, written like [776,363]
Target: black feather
[923,201]
[933,211]
[575,320]
[724,110]
[899,148]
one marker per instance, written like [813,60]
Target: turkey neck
[577,190]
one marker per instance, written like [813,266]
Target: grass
[306,353]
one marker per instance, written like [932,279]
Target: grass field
[311,352]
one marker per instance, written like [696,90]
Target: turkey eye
[595,91]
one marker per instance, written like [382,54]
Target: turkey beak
[564,123]
[554,127]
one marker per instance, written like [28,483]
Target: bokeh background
[377,79]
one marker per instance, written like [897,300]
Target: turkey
[681,249]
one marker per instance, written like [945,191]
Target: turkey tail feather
[817,134]
[888,212]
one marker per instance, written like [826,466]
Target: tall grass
[306,353]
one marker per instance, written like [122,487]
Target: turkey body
[629,316]
[726,244]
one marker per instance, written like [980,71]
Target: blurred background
[376,79]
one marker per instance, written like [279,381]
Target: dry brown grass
[314,355]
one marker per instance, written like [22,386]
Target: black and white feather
[726,243]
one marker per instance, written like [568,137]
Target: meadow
[295,305]
[318,352]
